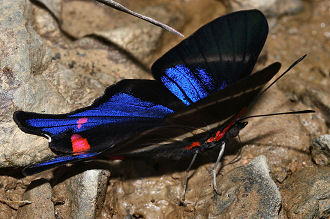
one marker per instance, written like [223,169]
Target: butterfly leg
[187,174]
[214,169]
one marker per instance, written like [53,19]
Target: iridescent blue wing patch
[215,56]
[39,167]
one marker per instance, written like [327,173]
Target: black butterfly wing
[215,56]
[218,108]
[126,108]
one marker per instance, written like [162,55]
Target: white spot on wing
[49,138]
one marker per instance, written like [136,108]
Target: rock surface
[88,193]
[270,7]
[306,194]
[309,81]
[82,194]
[320,150]
[137,37]
[23,56]
[248,192]
[39,193]
[54,6]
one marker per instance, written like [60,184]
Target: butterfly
[204,81]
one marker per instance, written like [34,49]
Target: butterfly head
[235,129]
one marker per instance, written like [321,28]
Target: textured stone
[248,191]
[269,7]
[5,211]
[39,193]
[309,81]
[320,150]
[87,193]
[140,38]
[23,56]
[306,193]
[53,5]
[147,192]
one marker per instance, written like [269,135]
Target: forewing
[218,54]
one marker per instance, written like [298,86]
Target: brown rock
[81,195]
[24,55]
[270,7]
[39,193]
[320,150]
[248,191]
[306,194]
[82,18]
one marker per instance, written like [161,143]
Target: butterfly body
[205,81]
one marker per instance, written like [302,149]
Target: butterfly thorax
[218,138]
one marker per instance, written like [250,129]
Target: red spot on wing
[79,144]
[194,144]
[81,121]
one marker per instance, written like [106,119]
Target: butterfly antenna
[282,113]
[291,66]
[277,114]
